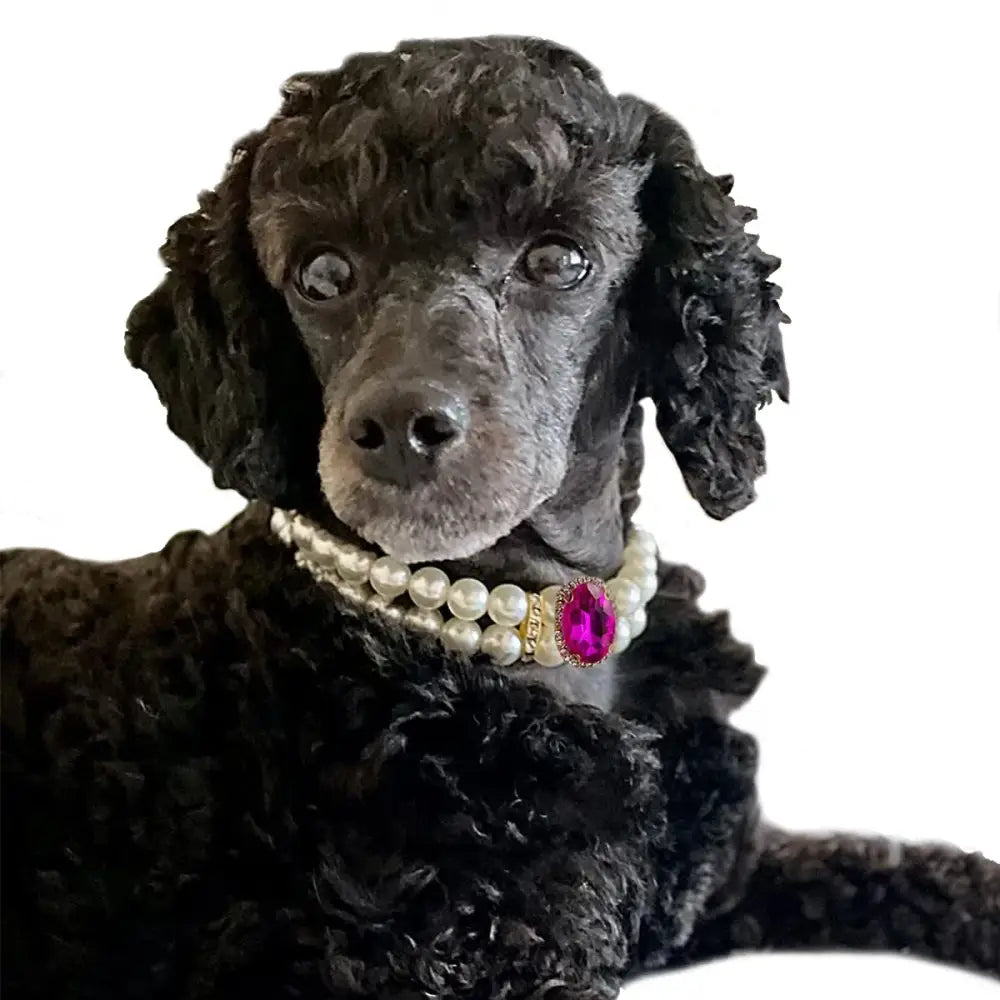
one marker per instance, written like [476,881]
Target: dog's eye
[323,275]
[555,262]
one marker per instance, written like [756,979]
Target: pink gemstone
[587,622]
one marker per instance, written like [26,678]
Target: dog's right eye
[555,261]
[323,274]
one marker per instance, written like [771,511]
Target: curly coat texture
[221,781]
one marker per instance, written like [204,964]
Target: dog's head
[433,288]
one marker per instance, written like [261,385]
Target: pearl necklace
[582,622]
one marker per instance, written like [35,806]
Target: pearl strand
[376,582]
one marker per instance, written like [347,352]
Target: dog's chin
[421,525]
[407,540]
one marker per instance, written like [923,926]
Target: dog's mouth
[472,500]
[454,519]
[420,527]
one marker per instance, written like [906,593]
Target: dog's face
[449,272]
[454,278]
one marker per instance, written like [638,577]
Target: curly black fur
[236,787]
[713,296]
[240,398]
[221,781]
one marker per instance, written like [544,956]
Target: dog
[430,716]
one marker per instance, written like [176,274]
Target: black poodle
[413,325]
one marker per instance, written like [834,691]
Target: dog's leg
[849,892]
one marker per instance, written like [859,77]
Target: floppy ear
[219,346]
[708,318]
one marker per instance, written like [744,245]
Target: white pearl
[637,622]
[547,652]
[356,593]
[302,532]
[549,597]
[377,603]
[641,562]
[637,574]
[648,587]
[460,636]
[507,604]
[384,607]
[623,636]
[502,645]
[625,595]
[636,556]
[354,564]
[641,540]
[467,599]
[424,620]
[281,524]
[326,549]
[428,587]
[389,576]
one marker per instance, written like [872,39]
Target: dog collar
[581,622]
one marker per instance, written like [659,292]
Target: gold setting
[531,627]
[561,599]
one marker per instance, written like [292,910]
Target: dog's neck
[542,633]
[579,532]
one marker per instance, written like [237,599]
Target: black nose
[399,430]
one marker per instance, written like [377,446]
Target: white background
[866,574]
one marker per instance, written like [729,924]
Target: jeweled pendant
[584,622]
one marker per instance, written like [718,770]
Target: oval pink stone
[587,622]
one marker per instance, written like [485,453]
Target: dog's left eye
[555,262]
[323,275]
